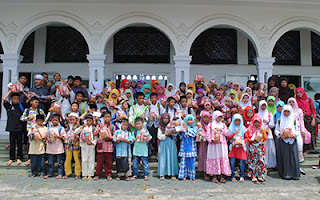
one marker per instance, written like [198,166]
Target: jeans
[60,158]
[233,163]
[37,162]
[145,163]
[16,139]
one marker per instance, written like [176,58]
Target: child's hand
[132,125]
[89,143]
[150,118]
[237,131]
[30,117]
[159,117]
[265,121]
[142,116]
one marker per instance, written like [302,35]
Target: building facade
[167,40]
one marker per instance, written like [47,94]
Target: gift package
[35,135]
[204,100]
[216,136]
[194,103]
[176,97]
[63,89]
[257,136]
[143,137]
[154,116]
[122,114]
[238,141]
[199,78]
[51,136]
[104,133]
[147,102]
[55,107]
[32,94]
[16,87]
[85,137]
[122,135]
[287,133]
[71,138]
[111,103]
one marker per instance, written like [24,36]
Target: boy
[123,139]
[72,147]
[170,108]
[104,147]
[65,100]
[29,115]
[87,143]
[140,149]
[83,106]
[77,88]
[156,111]
[55,148]
[37,147]
[138,110]
[183,106]
[14,125]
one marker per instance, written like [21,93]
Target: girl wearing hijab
[234,97]
[236,87]
[114,95]
[248,91]
[284,91]
[154,85]
[237,147]
[248,115]
[189,95]
[182,88]
[268,123]
[167,152]
[161,92]
[288,151]
[272,107]
[125,84]
[170,90]
[201,95]
[203,147]
[107,90]
[274,91]
[244,102]
[129,95]
[306,104]
[133,85]
[298,117]
[140,83]
[279,105]
[217,154]
[146,90]
[256,136]
[188,149]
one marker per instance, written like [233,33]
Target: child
[154,85]
[114,95]
[83,106]
[87,144]
[201,94]
[55,148]
[140,83]
[72,147]
[139,109]
[37,146]
[104,147]
[288,151]
[248,115]
[99,101]
[274,91]
[234,97]
[237,147]
[122,113]
[140,149]
[64,100]
[125,84]
[123,139]
[14,125]
[217,155]
[279,106]
[183,106]
[146,90]
[203,147]
[271,107]
[161,92]
[29,115]
[170,91]
[170,108]
[244,102]
[168,159]
[130,96]
[218,95]
[256,136]
[188,149]
[156,110]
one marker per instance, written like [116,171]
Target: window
[65,44]
[315,46]
[27,50]
[215,46]
[251,53]
[287,49]
[141,45]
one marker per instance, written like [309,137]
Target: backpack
[174,110]
[137,113]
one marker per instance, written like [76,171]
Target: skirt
[168,158]
[271,158]
[256,161]
[312,130]
[288,160]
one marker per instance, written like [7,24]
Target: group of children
[224,128]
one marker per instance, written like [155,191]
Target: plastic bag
[122,114]
[199,78]
[194,103]
[176,97]
[105,133]
[216,136]
[257,136]
[287,133]
[32,94]
[238,141]
[122,135]
[111,103]
[85,137]
[50,136]
[35,135]
[55,107]
[63,89]
[204,100]
[143,137]
[16,87]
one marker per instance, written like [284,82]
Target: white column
[10,66]
[96,68]
[264,68]
[182,69]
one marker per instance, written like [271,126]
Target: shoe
[316,167]
[302,171]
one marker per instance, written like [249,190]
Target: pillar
[10,66]
[96,69]
[182,69]
[264,68]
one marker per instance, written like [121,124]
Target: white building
[168,39]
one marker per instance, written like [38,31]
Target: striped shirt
[30,112]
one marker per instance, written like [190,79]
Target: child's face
[55,121]
[256,123]
[206,119]
[79,97]
[245,99]
[198,85]
[190,122]
[219,119]
[113,85]
[128,95]
[165,120]
[286,113]
[232,96]
[235,87]
[23,80]
[160,91]
[189,95]
[171,103]
[140,100]
[89,122]
[248,91]
[273,93]
[207,106]
[182,88]
[39,122]
[291,103]
[99,99]
[237,122]
[153,99]
[279,108]
[146,90]
[15,99]
[72,120]
[74,107]
[200,94]
[34,103]
[170,88]
[127,85]
[133,84]
[76,83]
[114,96]
[227,102]
[183,102]
[230,85]
[225,88]
[57,77]
[250,85]
[218,96]
[139,85]
[270,102]
[284,83]
[107,118]
[299,93]
[272,83]
[124,125]
[249,114]
[155,85]
[263,106]
[139,125]
[125,106]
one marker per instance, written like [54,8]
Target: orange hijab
[153,90]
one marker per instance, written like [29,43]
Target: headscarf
[123,83]
[216,94]
[263,113]
[295,107]
[272,109]
[284,93]
[223,84]
[230,82]
[97,88]
[245,117]
[242,104]
[274,89]
[201,91]
[303,102]
[190,85]
[216,124]
[131,99]
[181,84]
[147,96]
[252,129]
[223,103]
[291,85]
[172,92]
[114,91]
[203,114]
[152,84]
[162,125]
[233,128]
[235,100]
[244,90]
[192,127]
[138,89]
[280,103]
[287,122]
[190,99]
[163,94]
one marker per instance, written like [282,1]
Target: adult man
[41,92]
[77,87]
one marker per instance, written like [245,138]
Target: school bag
[137,113]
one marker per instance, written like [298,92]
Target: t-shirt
[14,113]
[141,148]
[56,147]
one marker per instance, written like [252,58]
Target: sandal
[254,179]
[66,177]
[127,179]
[234,180]
[109,178]
[215,180]
[241,179]
[59,176]
[118,179]
[222,180]
[162,178]
[133,178]
[89,178]
[173,178]
[27,163]
[146,178]
[96,178]
[260,179]
[9,162]
[77,177]
[19,162]
[84,178]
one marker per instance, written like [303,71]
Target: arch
[130,19]
[290,24]
[50,17]
[227,20]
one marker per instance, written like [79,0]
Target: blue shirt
[141,148]
[122,147]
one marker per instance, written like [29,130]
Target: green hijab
[272,109]
[146,96]
[131,99]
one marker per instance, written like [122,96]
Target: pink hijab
[303,101]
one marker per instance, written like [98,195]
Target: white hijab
[216,124]
[287,122]
[263,113]
[245,104]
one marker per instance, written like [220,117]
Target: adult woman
[284,91]
[271,83]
